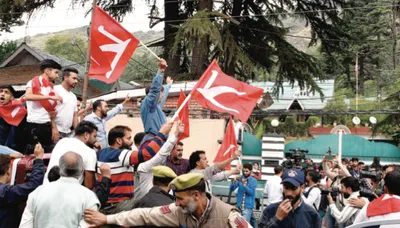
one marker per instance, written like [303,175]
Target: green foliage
[312,121]
[6,48]
[141,69]
[11,11]
[290,127]
[63,46]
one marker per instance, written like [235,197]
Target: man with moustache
[67,111]
[247,189]
[193,207]
[100,115]
[40,101]
[82,143]
[175,161]
[122,160]
[292,211]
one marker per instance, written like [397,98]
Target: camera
[334,191]
[294,158]
[368,193]
[375,176]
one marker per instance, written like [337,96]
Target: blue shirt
[101,124]
[249,190]
[13,195]
[303,216]
[151,111]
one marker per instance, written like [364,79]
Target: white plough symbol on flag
[211,93]
[118,48]
[230,148]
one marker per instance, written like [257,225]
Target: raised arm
[164,151]
[19,193]
[329,173]
[166,90]
[156,85]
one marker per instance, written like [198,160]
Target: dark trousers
[35,133]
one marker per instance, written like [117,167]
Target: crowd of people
[112,178]
[336,193]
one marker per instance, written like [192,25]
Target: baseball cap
[293,176]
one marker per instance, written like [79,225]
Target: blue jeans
[249,216]
[330,220]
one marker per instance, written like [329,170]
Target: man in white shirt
[350,188]
[312,194]
[82,144]
[61,203]
[385,207]
[144,176]
[273,187]
[40,119]
[67,111]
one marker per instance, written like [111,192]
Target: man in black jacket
[158,195]
[13,195]
[292,211]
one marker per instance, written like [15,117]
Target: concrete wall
[204,133]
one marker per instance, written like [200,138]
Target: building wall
[204,133]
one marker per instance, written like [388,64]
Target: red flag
[356,66]
[222,93]
[229,144]
[41,86]
[13,112]
[184,116]
[111,47]
[384,205]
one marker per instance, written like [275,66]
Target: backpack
[323,205]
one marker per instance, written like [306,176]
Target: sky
[63,16]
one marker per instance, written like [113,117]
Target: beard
[125,146]
[346,195]
[90,145]
[293,200]
[104,113]
[191,207]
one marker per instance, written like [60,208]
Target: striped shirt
[121,163]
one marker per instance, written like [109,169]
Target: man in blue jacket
[247,188]
[151,111]
[292,212]
[13,195]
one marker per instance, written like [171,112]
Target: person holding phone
[291,212]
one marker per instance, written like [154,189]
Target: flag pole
[357,84]
[154,54]
[87,65]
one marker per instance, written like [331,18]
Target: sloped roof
[289,94]
[15,73]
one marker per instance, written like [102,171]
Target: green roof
[353,146]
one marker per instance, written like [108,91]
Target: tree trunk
[171,10]
[394,35]
[361,77]
[201,47]
[236,11]
[348,74]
